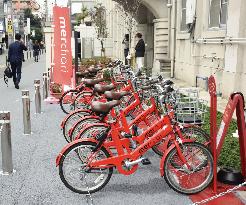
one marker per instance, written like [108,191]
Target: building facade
[216,44]
[197,38]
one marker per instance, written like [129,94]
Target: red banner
[62,72]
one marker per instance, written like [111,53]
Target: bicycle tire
[71,120]
[187,131]
[78,105]
[80,125]
[74,183]
[91,132]
[175,179]
[64,109]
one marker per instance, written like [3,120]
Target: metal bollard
[37,96]
[5,133]
[26,112]
[48,74]
[45,85]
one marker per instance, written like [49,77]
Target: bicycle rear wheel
[195,179]
[91,132]
[75,174]
[71,120]
[80,125]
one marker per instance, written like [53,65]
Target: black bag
[7,74]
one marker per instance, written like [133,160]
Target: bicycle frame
[124,126]
[156,133]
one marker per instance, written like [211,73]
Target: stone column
[161,50]
[48,32]
[235,71]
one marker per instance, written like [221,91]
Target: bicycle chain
[220,194]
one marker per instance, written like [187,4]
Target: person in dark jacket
[140,51]
[126,43]
[15,57]
[36,50]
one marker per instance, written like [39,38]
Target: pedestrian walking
[15,57]
[36,49]
[140,51]
[126,43]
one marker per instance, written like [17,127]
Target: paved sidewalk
[37,181]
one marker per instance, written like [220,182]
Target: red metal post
[213,125]
[242,134]
[236,101]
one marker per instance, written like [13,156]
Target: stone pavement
[37,181]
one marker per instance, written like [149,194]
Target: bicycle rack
[236,102]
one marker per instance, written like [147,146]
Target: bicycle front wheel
[75,174]
[195,133]
[195,178]
[67,101]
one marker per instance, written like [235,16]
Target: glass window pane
[223,14]
[184,3]
[214,18]
[183,26]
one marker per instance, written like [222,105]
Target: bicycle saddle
[168,82]
[142,77]
[103,108]
[146,87]
[152,82]
[103,88]
[92,82]
[112,95]
[94,70]
[82,74]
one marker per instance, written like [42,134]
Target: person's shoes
[17,86]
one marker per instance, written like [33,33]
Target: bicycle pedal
[146,161]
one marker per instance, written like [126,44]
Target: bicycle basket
[189,108]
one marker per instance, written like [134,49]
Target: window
[183,26]
[218,13]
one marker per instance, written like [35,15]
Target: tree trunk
[102,49]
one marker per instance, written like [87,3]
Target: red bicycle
[86,165]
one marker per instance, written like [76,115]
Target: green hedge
[230,154]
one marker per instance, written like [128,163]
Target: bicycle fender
[89,126]
[163,159]
[60,155]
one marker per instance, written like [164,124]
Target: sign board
[63,72]
[10,26]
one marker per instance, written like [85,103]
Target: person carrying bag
[7,74]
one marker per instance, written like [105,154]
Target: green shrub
[230,153]
[107,75]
